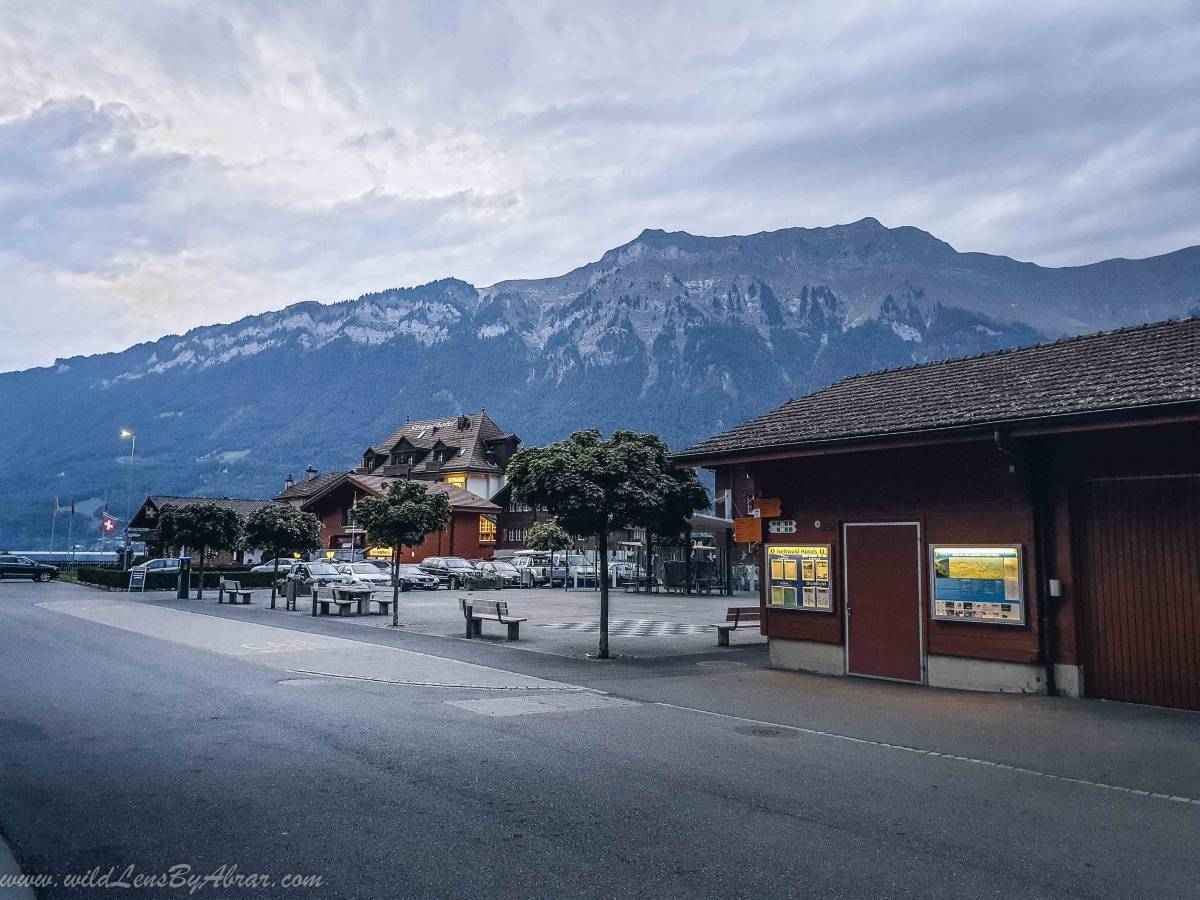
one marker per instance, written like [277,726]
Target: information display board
[137,580]
[978,584]
[798,577]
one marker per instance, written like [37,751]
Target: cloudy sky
[168,165]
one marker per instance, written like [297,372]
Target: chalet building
[464,457]
[1027,520]
[143,526]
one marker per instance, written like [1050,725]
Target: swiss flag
[108,524]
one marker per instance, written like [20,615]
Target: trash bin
[183,587]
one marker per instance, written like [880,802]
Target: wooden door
[883,600]
[1137,551]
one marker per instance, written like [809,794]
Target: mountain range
[674,333]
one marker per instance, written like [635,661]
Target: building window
[458,479]
[487,529]
[519,506]
[516,535]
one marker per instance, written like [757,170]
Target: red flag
[108,524]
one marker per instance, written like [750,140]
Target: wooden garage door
[1137,546]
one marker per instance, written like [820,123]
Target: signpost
[768,507]
[747,529]
[137,580]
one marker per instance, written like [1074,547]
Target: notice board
[978,583]
[798,577]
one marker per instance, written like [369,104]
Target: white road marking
[501,707]
[935,754]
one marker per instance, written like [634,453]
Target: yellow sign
[380,553]
[799,577]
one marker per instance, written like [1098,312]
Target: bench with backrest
[476,612]
[321,605]
[735,616]
[234,590]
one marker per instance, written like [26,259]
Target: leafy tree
[593,486]
[548,536]
[551,536]
[281,528]
[208,527]
[403,518]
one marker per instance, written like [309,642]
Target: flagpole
[71,530]
[53,522]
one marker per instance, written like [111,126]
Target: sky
[166,165]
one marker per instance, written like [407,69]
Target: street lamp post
[126,433]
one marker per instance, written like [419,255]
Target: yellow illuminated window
[458,479]
[487,530]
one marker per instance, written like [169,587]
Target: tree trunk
[200,571]
[603,541]
[274,579]
[396,586]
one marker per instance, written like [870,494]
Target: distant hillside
[674,333]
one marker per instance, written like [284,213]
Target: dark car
[416,579]
[24,567]
[509,575]
[455,572]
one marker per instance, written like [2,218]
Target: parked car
[533,567]
[455,572]
[24,567]
[168,564]
[508,574]
[412,576]
[286,564]
[316,574]
[580,569]
[365,573]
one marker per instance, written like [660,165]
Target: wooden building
[464,457]
[1027,520]
[143,526]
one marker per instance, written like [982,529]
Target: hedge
[163,581]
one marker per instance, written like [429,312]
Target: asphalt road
[392,765]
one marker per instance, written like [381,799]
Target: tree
[550,536]
[593,486]
[281,528]
[208,527]
[403,518]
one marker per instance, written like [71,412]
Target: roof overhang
[1035,426]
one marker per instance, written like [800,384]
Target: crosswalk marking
[630,627]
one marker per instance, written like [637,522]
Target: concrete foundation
[807,656]
[1068,680]
[985,675]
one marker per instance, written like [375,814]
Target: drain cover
[300,682]
[765,731]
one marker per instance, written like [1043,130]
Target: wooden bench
[477,611]
[735,616]
[235,592]
[321,604]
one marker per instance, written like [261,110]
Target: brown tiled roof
[459,498]
[243,507]
[471,441]
[1111,371]
[309,486]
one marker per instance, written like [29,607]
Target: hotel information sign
[977,584]
[798,578]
